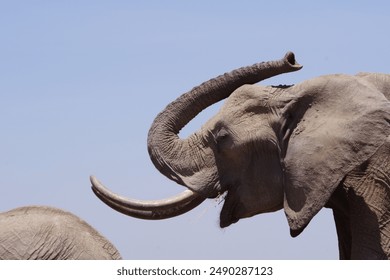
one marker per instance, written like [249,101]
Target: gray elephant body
[46,233]
[326,144]
[322,143]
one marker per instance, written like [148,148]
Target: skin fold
[321,143]
[46,233]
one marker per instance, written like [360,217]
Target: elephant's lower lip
[227,216]
[225,223]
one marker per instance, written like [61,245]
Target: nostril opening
[291,58]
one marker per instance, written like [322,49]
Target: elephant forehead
[249,106]
[247,99]
[249,92]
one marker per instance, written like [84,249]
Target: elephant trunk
[182,160]
[186,161]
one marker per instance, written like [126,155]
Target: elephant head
[190,162]
[268,148]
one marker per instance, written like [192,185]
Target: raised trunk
[189,162]
[180,160]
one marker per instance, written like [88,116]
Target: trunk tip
[289,57]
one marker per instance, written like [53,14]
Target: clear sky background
[81,82]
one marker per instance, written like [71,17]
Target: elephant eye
[223,140]
[221,136]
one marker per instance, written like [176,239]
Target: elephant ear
[333,124]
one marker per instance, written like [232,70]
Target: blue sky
[81,82]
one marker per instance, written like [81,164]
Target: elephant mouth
[235,209]
[228,212]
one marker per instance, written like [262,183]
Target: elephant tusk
[147,209]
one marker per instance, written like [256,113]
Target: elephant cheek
[204,182]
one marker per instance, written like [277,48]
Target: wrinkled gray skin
[46,233]
[321,143]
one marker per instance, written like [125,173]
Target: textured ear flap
[332,125]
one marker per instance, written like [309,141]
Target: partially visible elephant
[322,143]
[46,233]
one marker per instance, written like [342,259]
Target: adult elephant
[46,233]
[321,143]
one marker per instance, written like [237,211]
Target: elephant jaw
[234,209]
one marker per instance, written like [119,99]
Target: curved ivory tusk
[150,214]
[147,209]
